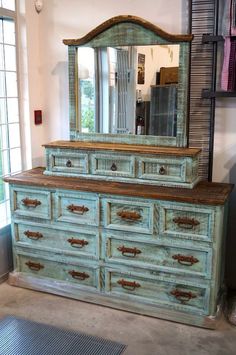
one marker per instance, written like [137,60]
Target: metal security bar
[203,62]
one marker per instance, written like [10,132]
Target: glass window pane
[4,136]
[3,112]
[10,57]
[1,58]
[15,159]
[2,191]
[11,83]
[9,32]
[9,4]
[5,162]
[14,135]
[13,111]
[1,31]
[3,215]
[2,85]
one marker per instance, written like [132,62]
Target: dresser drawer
[68,240]
[128,215]
[113,165]
[163,291]
[77,208]
[162,169]
[40,266]
[67,161]
[31,203]
[161,257]
[190,221]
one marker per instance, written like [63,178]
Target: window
[10,144]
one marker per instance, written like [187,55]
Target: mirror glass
[128,89]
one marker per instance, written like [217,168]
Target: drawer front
[68,162]
[162,169]
[77,208]
[41,267]
[31,203]
[178,295]
[113,165]
[70,241]
[128,215]
[162,257]
[187,221]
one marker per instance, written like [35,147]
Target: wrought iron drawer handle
[69,164]
[185,222]
[126,251]
[162,170]
[183,296]
[34,266]
[77,243]
[113,167]
[78,275]
[129,215]
[33,235]
[30,203]
[128,285]
[77,209]
[185,260]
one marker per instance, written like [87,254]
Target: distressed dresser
[121,219]
[152,250]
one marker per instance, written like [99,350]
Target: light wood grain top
[206,193]
[126,148]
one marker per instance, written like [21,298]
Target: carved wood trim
[128,19]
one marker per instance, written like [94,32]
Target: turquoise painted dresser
[121,219]
[146,249]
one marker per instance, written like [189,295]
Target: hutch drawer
[178,294]
[77,208]
[68,162]
[113,165]
[128,215]
[31,203]
[168,258]
[70,241]
[187,221]
[40,266]
[162,169]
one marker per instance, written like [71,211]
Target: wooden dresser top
[125,148]
[204,193]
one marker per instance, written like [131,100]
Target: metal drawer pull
[185,222]
[30,203]
[33,235]
[183,296]
[69,164]
[78,275]
[185,260]
[77,209]
[162,170]
[126,251]
[128,285]
[113,167]
[77,243]
[34,266]
[130,215]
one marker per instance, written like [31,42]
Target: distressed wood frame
[130,30]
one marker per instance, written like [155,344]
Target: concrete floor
[143,335]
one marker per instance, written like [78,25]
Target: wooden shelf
[208,94]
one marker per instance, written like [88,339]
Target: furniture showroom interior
[117,173]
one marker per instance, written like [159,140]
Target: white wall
[47,55]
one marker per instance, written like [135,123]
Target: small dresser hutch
[119,217]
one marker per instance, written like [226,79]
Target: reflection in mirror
[128,90]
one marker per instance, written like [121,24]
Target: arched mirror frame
[124,31]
